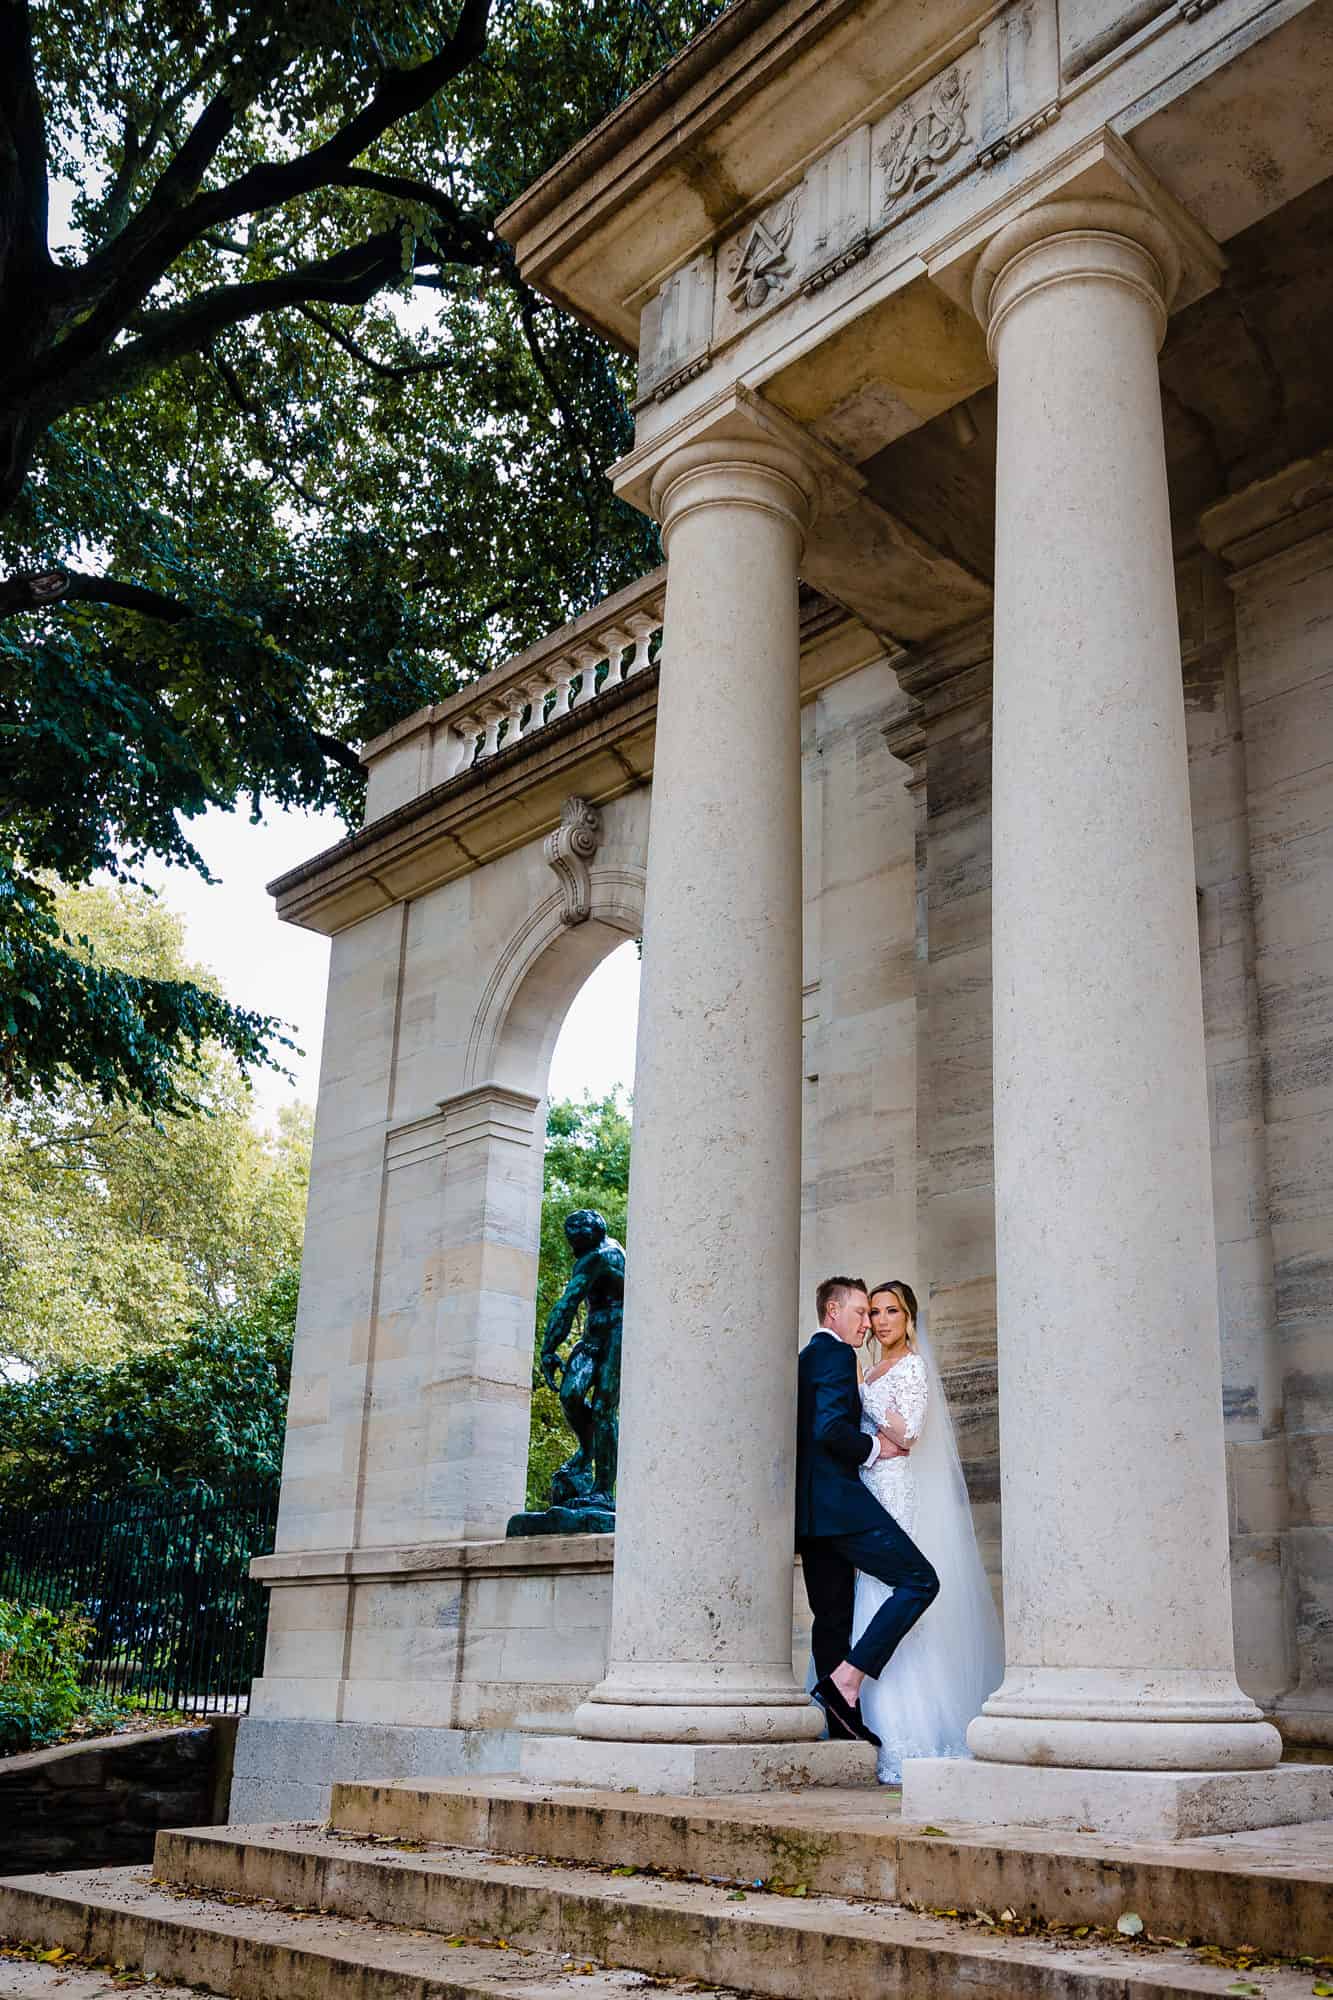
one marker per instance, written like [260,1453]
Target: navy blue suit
[840,1526]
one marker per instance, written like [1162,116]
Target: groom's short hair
[832,1292]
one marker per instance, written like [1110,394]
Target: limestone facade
[1000,327]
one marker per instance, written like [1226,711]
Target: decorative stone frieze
[569,850]
[1020,79]
[760,262]
[675,330]
[836,215]
[925,132]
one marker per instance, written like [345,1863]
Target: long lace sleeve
[911,1395]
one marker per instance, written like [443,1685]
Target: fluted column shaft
[1117,1591]
[701,1625]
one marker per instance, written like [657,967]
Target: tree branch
[35,590]
[169,222]
[350,278]
[339,752]
[23,138]
[387,371]
[236,390]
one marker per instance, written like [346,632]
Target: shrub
[42,1655]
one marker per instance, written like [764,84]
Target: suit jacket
[831,1447]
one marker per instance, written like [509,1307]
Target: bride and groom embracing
[905,1637]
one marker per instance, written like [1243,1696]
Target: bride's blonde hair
[906,1298]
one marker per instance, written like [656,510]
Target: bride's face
[888,1319]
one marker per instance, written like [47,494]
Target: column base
[1130,1805]
[698,1702]
[693,1770]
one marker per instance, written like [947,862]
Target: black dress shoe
[844,1718]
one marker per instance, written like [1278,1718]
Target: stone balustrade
[579,663]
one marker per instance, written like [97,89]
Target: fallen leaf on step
[1130,1925]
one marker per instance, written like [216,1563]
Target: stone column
[701,1626]
[1117,1589]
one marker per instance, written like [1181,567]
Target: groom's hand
[889,1446]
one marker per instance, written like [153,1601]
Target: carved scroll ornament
[569,850]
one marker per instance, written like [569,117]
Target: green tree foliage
[119,1230]
[287,447]
[587,1166]
[42,1657]
[207,1411]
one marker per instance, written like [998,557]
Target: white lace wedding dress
[952,1658]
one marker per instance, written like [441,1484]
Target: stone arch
[538,974]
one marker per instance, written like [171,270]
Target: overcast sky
[280,969]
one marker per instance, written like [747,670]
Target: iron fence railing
[165,1579]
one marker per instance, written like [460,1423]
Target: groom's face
[850,1318]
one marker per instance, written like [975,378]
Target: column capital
[738,429]
[734,472]
[1093,236]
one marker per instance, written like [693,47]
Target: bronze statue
[587,1382]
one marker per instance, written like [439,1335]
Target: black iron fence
[164,1579]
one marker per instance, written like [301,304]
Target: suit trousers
[830,1563]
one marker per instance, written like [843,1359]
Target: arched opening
[585,1165]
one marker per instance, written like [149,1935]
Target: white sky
[279,969]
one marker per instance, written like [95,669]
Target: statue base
[564,1521]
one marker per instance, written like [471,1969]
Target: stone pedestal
[701,1622]
[1117,1591]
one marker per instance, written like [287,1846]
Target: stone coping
[534,1554]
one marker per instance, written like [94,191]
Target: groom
[840,1526]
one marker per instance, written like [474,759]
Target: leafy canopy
[118,1230]
[207,1412]
[287,447]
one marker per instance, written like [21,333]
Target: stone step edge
[692,1930]
[1241,1897]
[91,1914]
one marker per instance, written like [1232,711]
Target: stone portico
[988,936]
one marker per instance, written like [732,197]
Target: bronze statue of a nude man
[588,1382]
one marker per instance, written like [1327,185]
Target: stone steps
[248,1953]
[322,1917]
[1271,1890]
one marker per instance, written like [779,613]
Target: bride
[953,1658]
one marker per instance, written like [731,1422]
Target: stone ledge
[538,1554]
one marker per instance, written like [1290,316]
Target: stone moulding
[837,265]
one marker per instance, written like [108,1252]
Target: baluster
[617,643]
[515,702]
[588,658]
[563,674]
[536,687]
[459,751]
[492,715]
[643,625]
